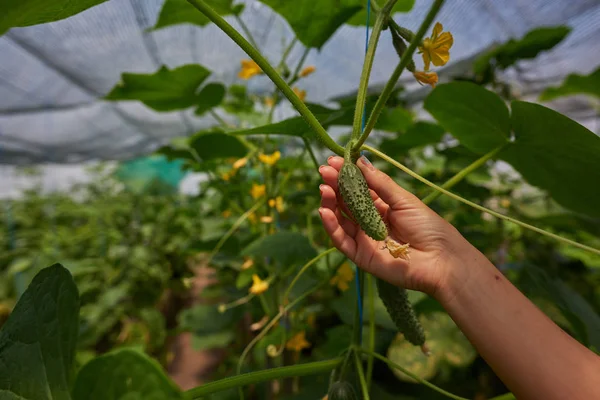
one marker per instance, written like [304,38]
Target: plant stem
[477,206]
[410,374]
[246,31]
[286,294]
[313,368]
[311,152]
[371,343]
[464,172]
[262,62]
[363,86]
[361,377]
[391,83]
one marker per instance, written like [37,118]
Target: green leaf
[447,344]
[216,340]
[244,278]
[19,13]
[420,134]
[359,19]
[557,154]
[529,46]
[176,12]
[124,374]
[215,144]
[477,117]
[206,318]
[575,84]
[37,342]
[287,248]
[210,96]
[164,90]
[394,119]
[314,22]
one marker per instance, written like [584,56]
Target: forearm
[530,353]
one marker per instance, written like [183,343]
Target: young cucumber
[398,306]
[355,192]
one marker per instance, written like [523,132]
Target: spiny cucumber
[355,192]
[398,306]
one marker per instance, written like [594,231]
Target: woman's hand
[434,243]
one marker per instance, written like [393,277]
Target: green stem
[363,86]
[246,31]
[357,328]
[410,374]
[477,206]
[311,152]
[464,172]
[306,266]
[371,343]
[262,62]
[313,368]
[391,83]
[361,377]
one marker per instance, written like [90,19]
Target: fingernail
[321,168]
[329,158]
[321,189]
[367,163]
[321,211]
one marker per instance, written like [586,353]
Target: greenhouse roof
[53,76]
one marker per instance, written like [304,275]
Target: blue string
[358,297]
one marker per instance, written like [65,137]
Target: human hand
[435,245]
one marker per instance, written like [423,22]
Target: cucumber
[341,390]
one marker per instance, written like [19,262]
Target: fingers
[330,201]
[341,240]
[388,190]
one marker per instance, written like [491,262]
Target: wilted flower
[306,71]
[297,342]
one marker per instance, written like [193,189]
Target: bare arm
[530,353]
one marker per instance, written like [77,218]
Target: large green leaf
[206,318]
[176,12]
[478,118]
[557,154]
[164,90]
[37,342]
[575,84]
[213,145]
[210,96]
[314,22]
[17,13]
[419,134]
[445,341]
[286,248]
[529,46]
[124,374]
[359,19]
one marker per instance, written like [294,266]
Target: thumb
[385,187]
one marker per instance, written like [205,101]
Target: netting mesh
[53,76]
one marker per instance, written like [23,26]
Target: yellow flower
[307,71]
[342,277]
[277,203]
[300,93]
[269,102]
[266,219]
[436,49]
[226,213]
[248,263]
[227,175]
[298,342]
[249,69]
[258,285]
[252,218]
[270,159]
[428,78]
[240,163]
[257,191]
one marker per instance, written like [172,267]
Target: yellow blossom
[269,102]
[227,175]
[271,158]
[258,285]
[266,219]
[257,191]
[436,49]
[252,218]
[300,93]
[240,163]
[428,78]
[277,203]
[226,213]
[307,71]
[248,263]
[342,277]
[298,342]
[249,69]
